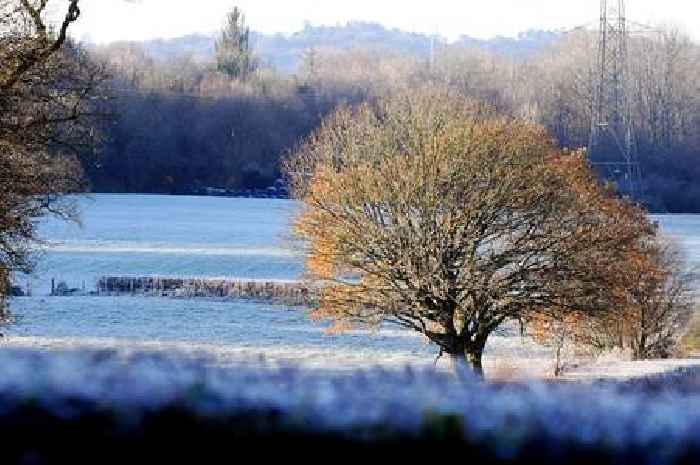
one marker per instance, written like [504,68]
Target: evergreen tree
[234,55]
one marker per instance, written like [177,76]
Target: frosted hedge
[62,407]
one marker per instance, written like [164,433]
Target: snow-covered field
[235,238]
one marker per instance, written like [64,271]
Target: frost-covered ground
[57,407]
[110,372]
[234,238]
[146,235]
[231,333]
[285,338]
[328,358]
[508,357]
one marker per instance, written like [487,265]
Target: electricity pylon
[612,145]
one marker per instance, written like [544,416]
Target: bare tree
[654,303]
[49,94]
[21,51]
[427,211]
[651,308]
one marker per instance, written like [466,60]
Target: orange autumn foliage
[431,212]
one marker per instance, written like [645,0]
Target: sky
[111,20]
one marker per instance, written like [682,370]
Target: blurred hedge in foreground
[103,407]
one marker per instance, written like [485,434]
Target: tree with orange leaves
[427,210]
[660,303]
[653,303]
[651,306]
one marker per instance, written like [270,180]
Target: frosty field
[219,237]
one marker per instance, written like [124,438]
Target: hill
[284,52]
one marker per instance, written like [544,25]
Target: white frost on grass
[507,359]
[651,428]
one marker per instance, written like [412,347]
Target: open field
[235,239]
[508,357]
[216,376]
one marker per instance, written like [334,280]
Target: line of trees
[226,122]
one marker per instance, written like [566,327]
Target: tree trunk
[459,366]
[557,362]
[475,361]
[465,352]
[466,362]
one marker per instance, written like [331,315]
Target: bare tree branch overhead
[21,55]
[49,95]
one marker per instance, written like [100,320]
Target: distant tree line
[189,122]
[285,52]
[182,126]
